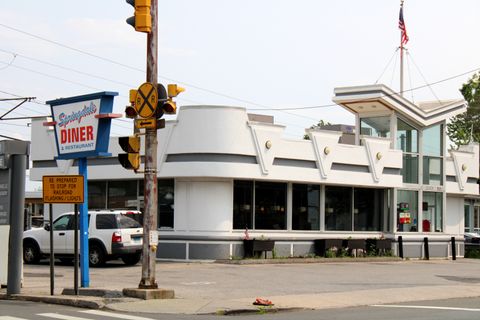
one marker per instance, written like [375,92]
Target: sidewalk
[205,288]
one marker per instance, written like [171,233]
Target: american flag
[401,26]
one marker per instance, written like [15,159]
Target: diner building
[222,171]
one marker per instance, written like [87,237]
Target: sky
[258,54]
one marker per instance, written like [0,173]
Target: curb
[103,293]
[67,301]
[231,312]
[309,260]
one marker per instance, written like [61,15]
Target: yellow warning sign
[146,123]
[63,189]
[146,100]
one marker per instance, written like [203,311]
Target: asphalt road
[458,309]
[212,280]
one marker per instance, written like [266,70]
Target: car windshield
[126,222]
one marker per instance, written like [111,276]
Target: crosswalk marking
[61,316]
[86,312]
[425,307]
[115,315]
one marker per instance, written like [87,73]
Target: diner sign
[82,125]
[76,126]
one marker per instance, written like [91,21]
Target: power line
[16,95]
[143,71]
[263,107]
[395,93]
[67,68]
[20,96]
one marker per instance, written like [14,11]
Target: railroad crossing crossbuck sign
[146,100]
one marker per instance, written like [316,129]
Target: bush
[472,253]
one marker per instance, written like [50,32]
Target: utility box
[13,163]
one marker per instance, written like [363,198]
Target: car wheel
[96,256]
[31,252]
[131,259]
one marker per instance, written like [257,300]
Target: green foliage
[465,127]
[472,253]
[319,125]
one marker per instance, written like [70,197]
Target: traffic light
[130,159]
[169,106]
[174,90]
[142,20]
[162,98]
[130,111]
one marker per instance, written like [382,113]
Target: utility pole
[151,195]
[148,104]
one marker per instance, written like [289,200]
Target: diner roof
[378,98]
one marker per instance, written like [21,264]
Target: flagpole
[401,56]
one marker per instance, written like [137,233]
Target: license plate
[137,240]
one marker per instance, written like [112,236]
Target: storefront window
[338,208]
[407,214]
[432,212]
[166,196]
[467,214]
[476,218]
[242,204]
[433,152]
[407,137]
[409,169]
[270,205]
[432,141]
[432,171]
[97,194]
[122,194]
[407,141]
[375,126]
[305,207]
[368,209]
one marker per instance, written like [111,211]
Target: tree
[319,125]
[465,127]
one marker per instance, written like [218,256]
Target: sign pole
[84,254]
[150,237]
[75,251]
[64,189]
[52,257]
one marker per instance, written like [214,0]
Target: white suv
[111,235]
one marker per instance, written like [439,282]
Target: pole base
[149,294]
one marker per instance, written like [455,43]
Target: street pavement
[214,288]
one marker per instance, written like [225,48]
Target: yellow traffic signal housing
[130,112]
[131,159]
[174,90]
[131,96]
[142,21]
[169,107]
[130,144]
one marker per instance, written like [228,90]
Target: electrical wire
[263,107]
[395,93]
[143,71]
[10,63]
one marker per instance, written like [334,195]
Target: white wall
[203,205]
[454,216]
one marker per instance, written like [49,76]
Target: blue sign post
[82,130]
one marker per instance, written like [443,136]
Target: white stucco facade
[208,148]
